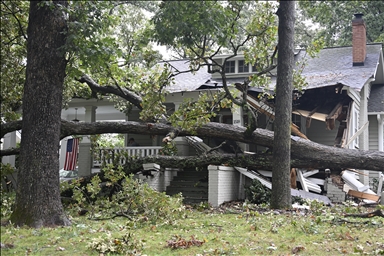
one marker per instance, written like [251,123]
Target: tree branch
[122,92]
[304,153]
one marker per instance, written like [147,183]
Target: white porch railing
[107,155]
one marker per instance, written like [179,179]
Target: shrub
[127,197]
[7,202]
[257,193]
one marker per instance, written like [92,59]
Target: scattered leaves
[298,249]
[180,243]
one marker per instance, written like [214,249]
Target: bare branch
[122,92]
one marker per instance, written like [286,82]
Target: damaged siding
[318,133]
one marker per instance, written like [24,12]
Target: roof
[331,67]
[186,81]
[376,99]
[334,66]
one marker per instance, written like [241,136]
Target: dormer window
[230,66]
[243,67]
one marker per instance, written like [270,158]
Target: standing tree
[281,190]
[334,18]
[38,195]
[12,57]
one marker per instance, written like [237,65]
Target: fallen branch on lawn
[378,213]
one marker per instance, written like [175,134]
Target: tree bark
[38,201]
[304,153]
[281,196]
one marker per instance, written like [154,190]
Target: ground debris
[180,243]
[366,215]
[6,246]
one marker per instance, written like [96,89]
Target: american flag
[71,155]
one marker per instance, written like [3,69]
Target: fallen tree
[304,153]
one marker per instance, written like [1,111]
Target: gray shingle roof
[334,66]
[186,81]
[376,99]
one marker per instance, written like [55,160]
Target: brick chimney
[359,40]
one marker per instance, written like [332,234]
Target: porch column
[181,143]
[237,119]
[9,141]
[364,136]
[223,184]
[134,115]
[63,151]
[85,156]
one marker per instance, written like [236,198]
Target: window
[230,67]
[243,67]
[255,68]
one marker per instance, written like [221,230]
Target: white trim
[357,133]
[380,130]
[355,96]
[354,126]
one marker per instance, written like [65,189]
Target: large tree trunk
[304,153]
[38,192]
[281,196]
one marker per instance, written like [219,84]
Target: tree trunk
[38,201]
[281,196]
[304,153]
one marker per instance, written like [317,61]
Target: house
[342,105]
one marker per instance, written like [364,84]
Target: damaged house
[342,106]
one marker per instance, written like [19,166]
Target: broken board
[363,195]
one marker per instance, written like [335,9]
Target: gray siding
[319,134]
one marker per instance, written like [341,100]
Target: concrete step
[176,190]
[191,176]
[192,184]
[189,194]
[188,184]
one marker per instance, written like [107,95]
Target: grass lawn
[232,230]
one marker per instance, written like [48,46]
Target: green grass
[227,232]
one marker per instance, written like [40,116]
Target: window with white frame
[243,67]
[230,66]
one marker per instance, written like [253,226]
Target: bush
[7,202]
[257,193]
[128,197]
